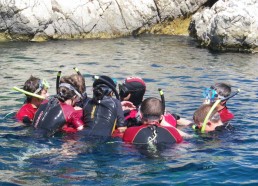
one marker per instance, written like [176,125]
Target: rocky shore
[219,25]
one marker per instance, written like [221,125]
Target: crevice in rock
[121,12]
[210,3]
[158,10]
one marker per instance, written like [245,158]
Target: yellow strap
[93,111]
[114,127]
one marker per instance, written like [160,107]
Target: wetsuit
[225,115]
[152,133]
[26,113]
[102,117]
[52,115]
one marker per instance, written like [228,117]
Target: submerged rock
[228,25]
[39,20]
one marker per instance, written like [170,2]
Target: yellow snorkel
[43,85]
[161,93]
[77,71]
[208,115]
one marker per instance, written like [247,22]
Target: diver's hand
[127,105]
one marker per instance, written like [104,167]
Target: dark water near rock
[174,64]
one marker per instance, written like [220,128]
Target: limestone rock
[58,19]
[228,25]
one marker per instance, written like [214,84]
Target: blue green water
[174,64]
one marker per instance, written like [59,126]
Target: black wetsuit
[103,116]
[52,115]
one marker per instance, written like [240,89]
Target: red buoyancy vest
[27,110]
[169,118]
[225,115]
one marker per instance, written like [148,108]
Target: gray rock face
[228,25]
[57,19]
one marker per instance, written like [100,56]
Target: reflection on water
[174,64]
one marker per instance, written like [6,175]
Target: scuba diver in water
[102,114]
[151,131]
[220,91]
[59,111]
[207,119]
[132,91]
[35,90]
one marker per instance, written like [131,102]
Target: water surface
[174,64]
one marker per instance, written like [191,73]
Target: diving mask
[43,84]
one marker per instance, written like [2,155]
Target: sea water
[175,64]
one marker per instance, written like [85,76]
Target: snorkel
[43,84]
[162,99]
[231,95]
[216,100]
[58,76]
[208,115]
[77,71]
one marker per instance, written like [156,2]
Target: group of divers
[111,113]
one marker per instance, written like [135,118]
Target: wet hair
[79,82]
[201,113]
[136,87]
[151,108]
[222,89]
[76,81]
[31,85]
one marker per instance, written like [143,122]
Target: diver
[35,90]
[102,114]
[151,132]
[207,119]
[220,91]
[59,111]
[132,91]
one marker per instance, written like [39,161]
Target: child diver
[220,91]
[207,119]
[35,90]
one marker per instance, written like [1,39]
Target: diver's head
[223,90]
[36,86]
[78,81]
[71,88]
[213,119]
[151,110]
[217,91]
[103,86]
[133,90]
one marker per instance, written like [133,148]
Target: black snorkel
[162,99]
[108,84]
[231,95]
[58,80]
